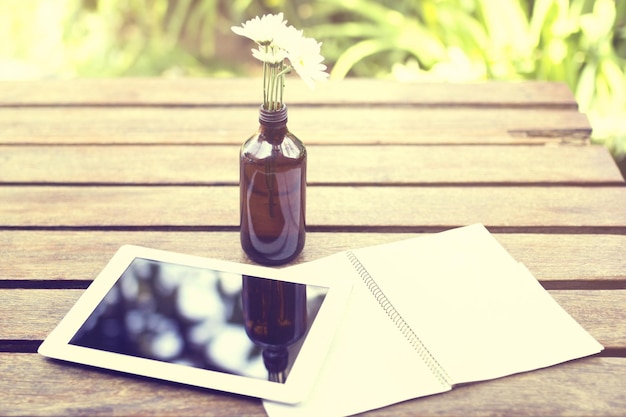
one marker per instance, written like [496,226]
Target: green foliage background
[580,42]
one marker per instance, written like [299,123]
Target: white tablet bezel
[301,376]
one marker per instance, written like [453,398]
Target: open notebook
[431,312]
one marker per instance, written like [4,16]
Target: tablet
[245,329]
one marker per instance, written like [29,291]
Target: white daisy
[277,43]
[269,55]
[306,59]
[287,38]
[262,30]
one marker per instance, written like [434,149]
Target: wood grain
[329,207]
[205,164]
[89,165]
[80,255]
[314,125]
[212,92]
[70,390]
[32,314]
[570,389]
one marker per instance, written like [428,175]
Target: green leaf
[421,43]
[506,24]
[347,30]
[616,79]
[545,15]
[373,11]
[585,89]
[598,24]
[356,53]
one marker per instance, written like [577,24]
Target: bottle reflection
[275,317]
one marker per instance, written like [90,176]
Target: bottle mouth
[273,117]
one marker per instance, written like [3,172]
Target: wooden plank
[211,92]
[32,314]
[598,381]
[51,388]
[328,207]
[590,386]
[68,255]
[601,313]
[313,125]
[179,164]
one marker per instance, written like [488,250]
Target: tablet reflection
[196,317]
[275,318]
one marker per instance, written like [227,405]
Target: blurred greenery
[580,42]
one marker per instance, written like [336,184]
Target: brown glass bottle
[275,316]
[272,185]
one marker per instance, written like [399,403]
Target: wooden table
[87,166]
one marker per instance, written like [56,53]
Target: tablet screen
[241,328]
[203,318]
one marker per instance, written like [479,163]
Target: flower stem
[264,84]
[272,87]
[274,84]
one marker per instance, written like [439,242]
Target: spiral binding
[402,325]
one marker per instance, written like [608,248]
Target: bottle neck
[273,119]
